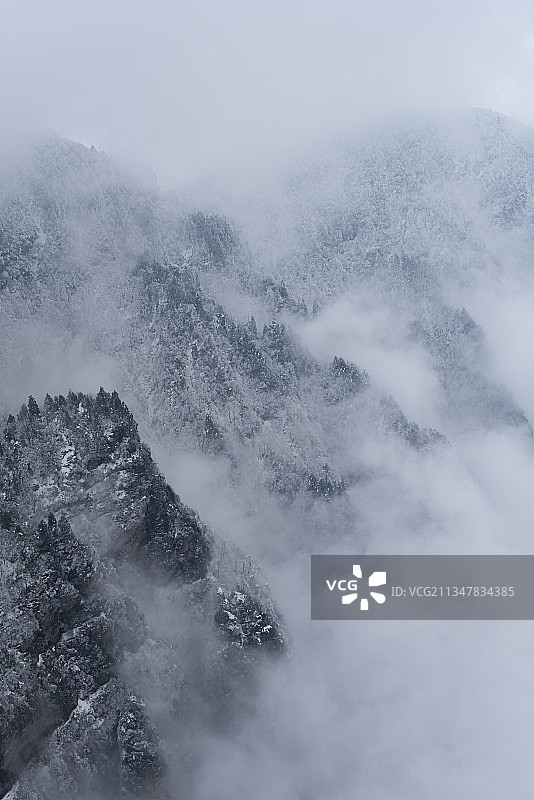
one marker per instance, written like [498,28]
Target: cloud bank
[204,90]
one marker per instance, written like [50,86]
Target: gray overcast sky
[211,87]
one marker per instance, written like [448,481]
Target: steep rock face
[62,643]
[83,456]
[111,523]
[107,746]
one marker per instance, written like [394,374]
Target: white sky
[203,88]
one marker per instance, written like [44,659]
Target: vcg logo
[350,588]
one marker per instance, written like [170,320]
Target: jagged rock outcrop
[83,456]
[84,512]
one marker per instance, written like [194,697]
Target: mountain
[88,521]
[87,255]
[421,213]
[131,627]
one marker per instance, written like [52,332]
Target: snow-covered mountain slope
[88,525]
[421,204]
[424,214]
[127,619]
[130,277]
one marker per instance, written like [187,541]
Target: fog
[212,92]
[221,101]
[384,709]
